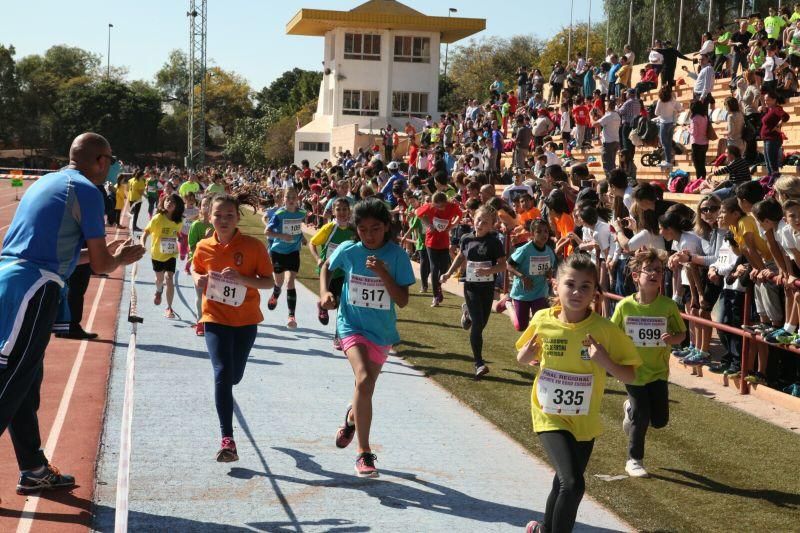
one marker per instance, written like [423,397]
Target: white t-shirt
[601,235]
[553,159]
[645,239]
[655,58]
[688,241]
[512,191]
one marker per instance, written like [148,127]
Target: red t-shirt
[437,236]
[581,115]
[413,152]
[513,102]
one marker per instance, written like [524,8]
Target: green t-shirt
[774,26]
[152,188]
[215,188]
[417,229]
[189,186]
[197,232]
[722,49]
[645,324]
[794,17]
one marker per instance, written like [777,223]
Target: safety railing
[749,340]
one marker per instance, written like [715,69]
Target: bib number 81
[567,397]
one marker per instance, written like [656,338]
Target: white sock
[789,328]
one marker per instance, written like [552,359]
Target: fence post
[747,344]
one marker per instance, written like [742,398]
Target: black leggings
[229,347]
[649,407]
[440,262]
[569,457]
[424,268]
[699,152]
[479,298]
[135,208]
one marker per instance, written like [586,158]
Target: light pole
[588,31]
[653,36]
[108,55]
[680,24]
[630,21]
[569,39]
[447,45]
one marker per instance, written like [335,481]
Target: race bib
[292,227]
[331,248]
[169,245]
[646,331]
[562,393]
[539,265]
[224,290]
[440,224]
[473,277]
[368,292]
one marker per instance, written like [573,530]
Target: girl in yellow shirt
[164,227]
[568,343]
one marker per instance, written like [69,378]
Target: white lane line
[29,511]
[123,470]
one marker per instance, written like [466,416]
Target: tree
[246,144]
[556,48]
[126,114]
[9,94]
[291,91]
[471,66]
[172,80]
[227,98]
[695,21]
[279,147]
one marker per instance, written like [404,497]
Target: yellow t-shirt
[644,324]
[164,233]
[747,224]
[119,197]
[136,189]
[565,359]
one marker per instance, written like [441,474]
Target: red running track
[82,402]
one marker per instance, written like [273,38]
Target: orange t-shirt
[249,257]
[564,224]
[521,234]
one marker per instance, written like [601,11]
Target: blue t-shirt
[55,218]
[387,189]
[538,268]
[365,307]
[612,73]
[284,221]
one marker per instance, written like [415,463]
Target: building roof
[383,14]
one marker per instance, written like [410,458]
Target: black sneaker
[718,368]
[50,479]
[273,300]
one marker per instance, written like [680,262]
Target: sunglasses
[713,209]
[111,158]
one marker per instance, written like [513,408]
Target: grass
[713,468]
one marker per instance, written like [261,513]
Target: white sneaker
[627,421]
[481,371]
[665,164]
[635,468]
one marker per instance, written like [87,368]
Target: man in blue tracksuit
[59,216]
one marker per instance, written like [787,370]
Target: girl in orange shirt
[230,268]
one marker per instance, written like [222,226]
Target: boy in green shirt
[653,322]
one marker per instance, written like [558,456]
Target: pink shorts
[377,354]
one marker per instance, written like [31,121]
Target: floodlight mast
[195,154]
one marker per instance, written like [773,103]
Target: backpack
[678,180]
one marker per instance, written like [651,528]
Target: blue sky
[247,36]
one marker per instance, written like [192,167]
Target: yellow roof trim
[317,22]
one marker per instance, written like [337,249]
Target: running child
[532,265]
[164,228]
[377,275]
[285,230]
[654,323]
[197,232]
[569,342]
[230,268]
[485,256]
[328,238]
[190,213]
[439,216]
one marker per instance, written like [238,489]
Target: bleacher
[683,94]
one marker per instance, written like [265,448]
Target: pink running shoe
[227,452]
[291,323]
[533,527]
[345,433]
[501,304]
[365,465]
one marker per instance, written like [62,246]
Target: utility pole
[108,55]
[588,31]
[569,39]
[195,155]
[447,45]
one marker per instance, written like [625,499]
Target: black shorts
[285,262]
[335,286]
[165,266]
[711,293]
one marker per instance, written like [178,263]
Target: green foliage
[472,66]
[556,48]
[9,94]
[291,91]
[695,21]
[172,80]
[126,114]
[246,144]
[227,98]
[279,147]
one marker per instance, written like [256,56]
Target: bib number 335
[563,393]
